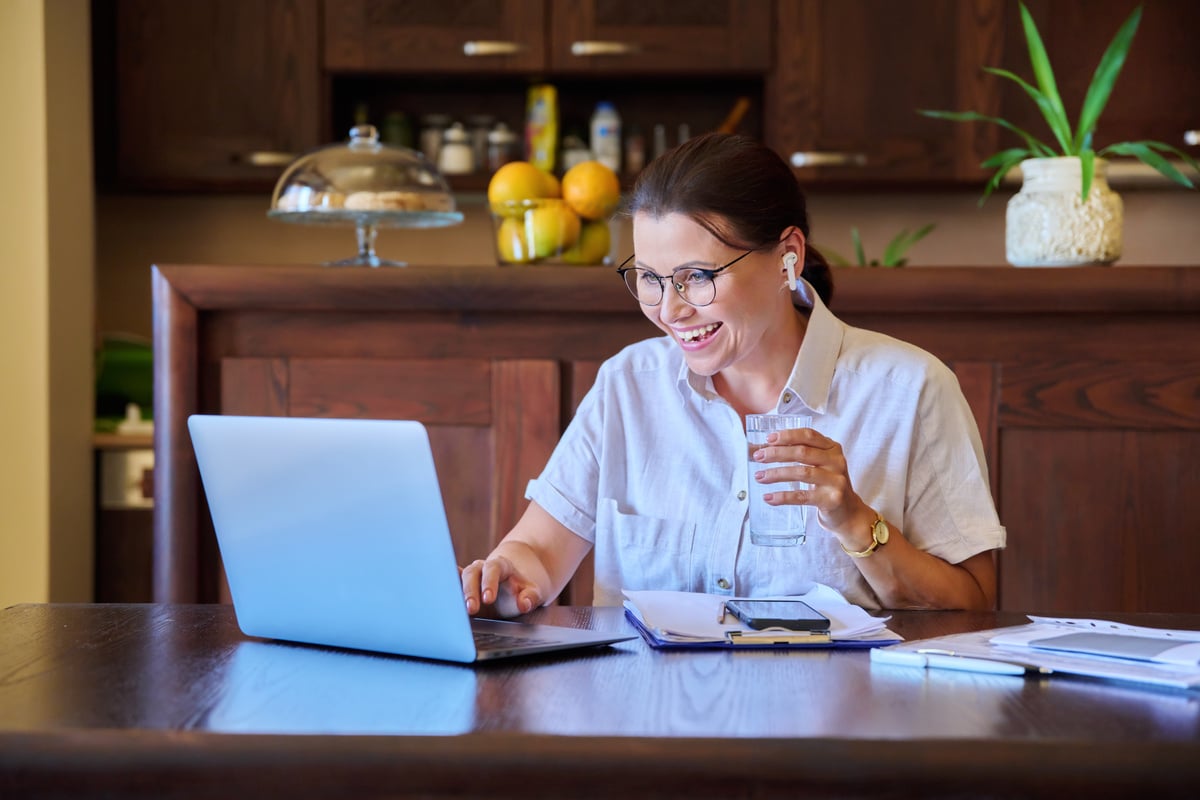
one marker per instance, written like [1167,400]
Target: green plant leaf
[894,252]
[858,248]
[1015,158]
[1042,71]
[1058,123]
[1006,156]
[1087,166]
[1105,77]
[1146,153]
[1036,147]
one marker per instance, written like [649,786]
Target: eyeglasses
[696,286]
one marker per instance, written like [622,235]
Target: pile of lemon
[539,219]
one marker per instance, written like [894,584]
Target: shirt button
[742,494]
[724,584]
[787,397]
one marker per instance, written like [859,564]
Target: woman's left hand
[823,466]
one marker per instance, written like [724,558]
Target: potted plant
[893,254]
[1065,214]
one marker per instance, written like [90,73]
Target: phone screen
[795,615]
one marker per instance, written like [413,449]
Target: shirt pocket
[647,552]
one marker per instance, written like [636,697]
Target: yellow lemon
[516,181]
[593,245]
[591,189]
[551,228]
[510,242]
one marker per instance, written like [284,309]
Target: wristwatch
[879,536]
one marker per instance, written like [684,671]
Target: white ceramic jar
[1047,224]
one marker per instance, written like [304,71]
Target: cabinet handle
[820,158]
[265,158]
[1191,137]
[603,48]
[492,48]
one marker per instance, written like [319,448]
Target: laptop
[333,532]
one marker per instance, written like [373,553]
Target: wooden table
[173,701]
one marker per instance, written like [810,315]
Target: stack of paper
[1091,647]
[694,618]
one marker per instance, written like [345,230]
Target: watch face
[880,531]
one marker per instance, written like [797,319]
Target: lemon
[591,189]
[593,245]
[510,242]
[516,181]
[551,228]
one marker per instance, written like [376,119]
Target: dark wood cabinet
[529,36]
[850,75]
[456,36]
[207,94]
[661,36]
[220,94]
[1157,95]
[1083,383]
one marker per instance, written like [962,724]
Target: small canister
[502,146]
[456,157]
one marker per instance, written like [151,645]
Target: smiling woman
[652,473]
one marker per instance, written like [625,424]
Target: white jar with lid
[457,156]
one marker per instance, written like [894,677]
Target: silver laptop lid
[332,531]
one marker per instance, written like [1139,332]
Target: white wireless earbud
[789,264]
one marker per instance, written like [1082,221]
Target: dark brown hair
[737,188]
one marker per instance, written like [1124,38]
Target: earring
[789,264]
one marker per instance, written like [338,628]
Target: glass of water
[773,526]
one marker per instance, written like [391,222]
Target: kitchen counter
[1085,383]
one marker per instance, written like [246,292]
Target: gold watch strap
[875,540]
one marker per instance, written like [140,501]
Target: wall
[134,232]
[46,302]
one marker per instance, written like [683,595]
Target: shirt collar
[812,374]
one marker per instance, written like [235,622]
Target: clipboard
[695,620]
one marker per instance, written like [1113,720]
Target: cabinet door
[214,94]
[661,36]
[851,75]
[1157,95]
[419,36]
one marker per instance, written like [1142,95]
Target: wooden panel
[255,386]
[1100,520]
[1158,91]
[848,81]
[1091,394]
[980,383]
[201,87]
[444,391]
[525,406]
[700,36]
[422,37]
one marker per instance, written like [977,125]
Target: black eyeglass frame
[676,285]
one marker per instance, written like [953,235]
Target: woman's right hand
[495,581]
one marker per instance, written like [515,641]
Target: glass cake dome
[364,184]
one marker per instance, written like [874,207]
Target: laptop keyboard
[499,641]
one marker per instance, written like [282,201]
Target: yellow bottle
[541,126]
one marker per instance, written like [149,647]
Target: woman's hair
[737,188]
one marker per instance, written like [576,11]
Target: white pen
[947,659]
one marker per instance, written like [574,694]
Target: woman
[652,470]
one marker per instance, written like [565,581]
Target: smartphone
[793,615]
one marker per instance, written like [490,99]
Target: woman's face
[749,295]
